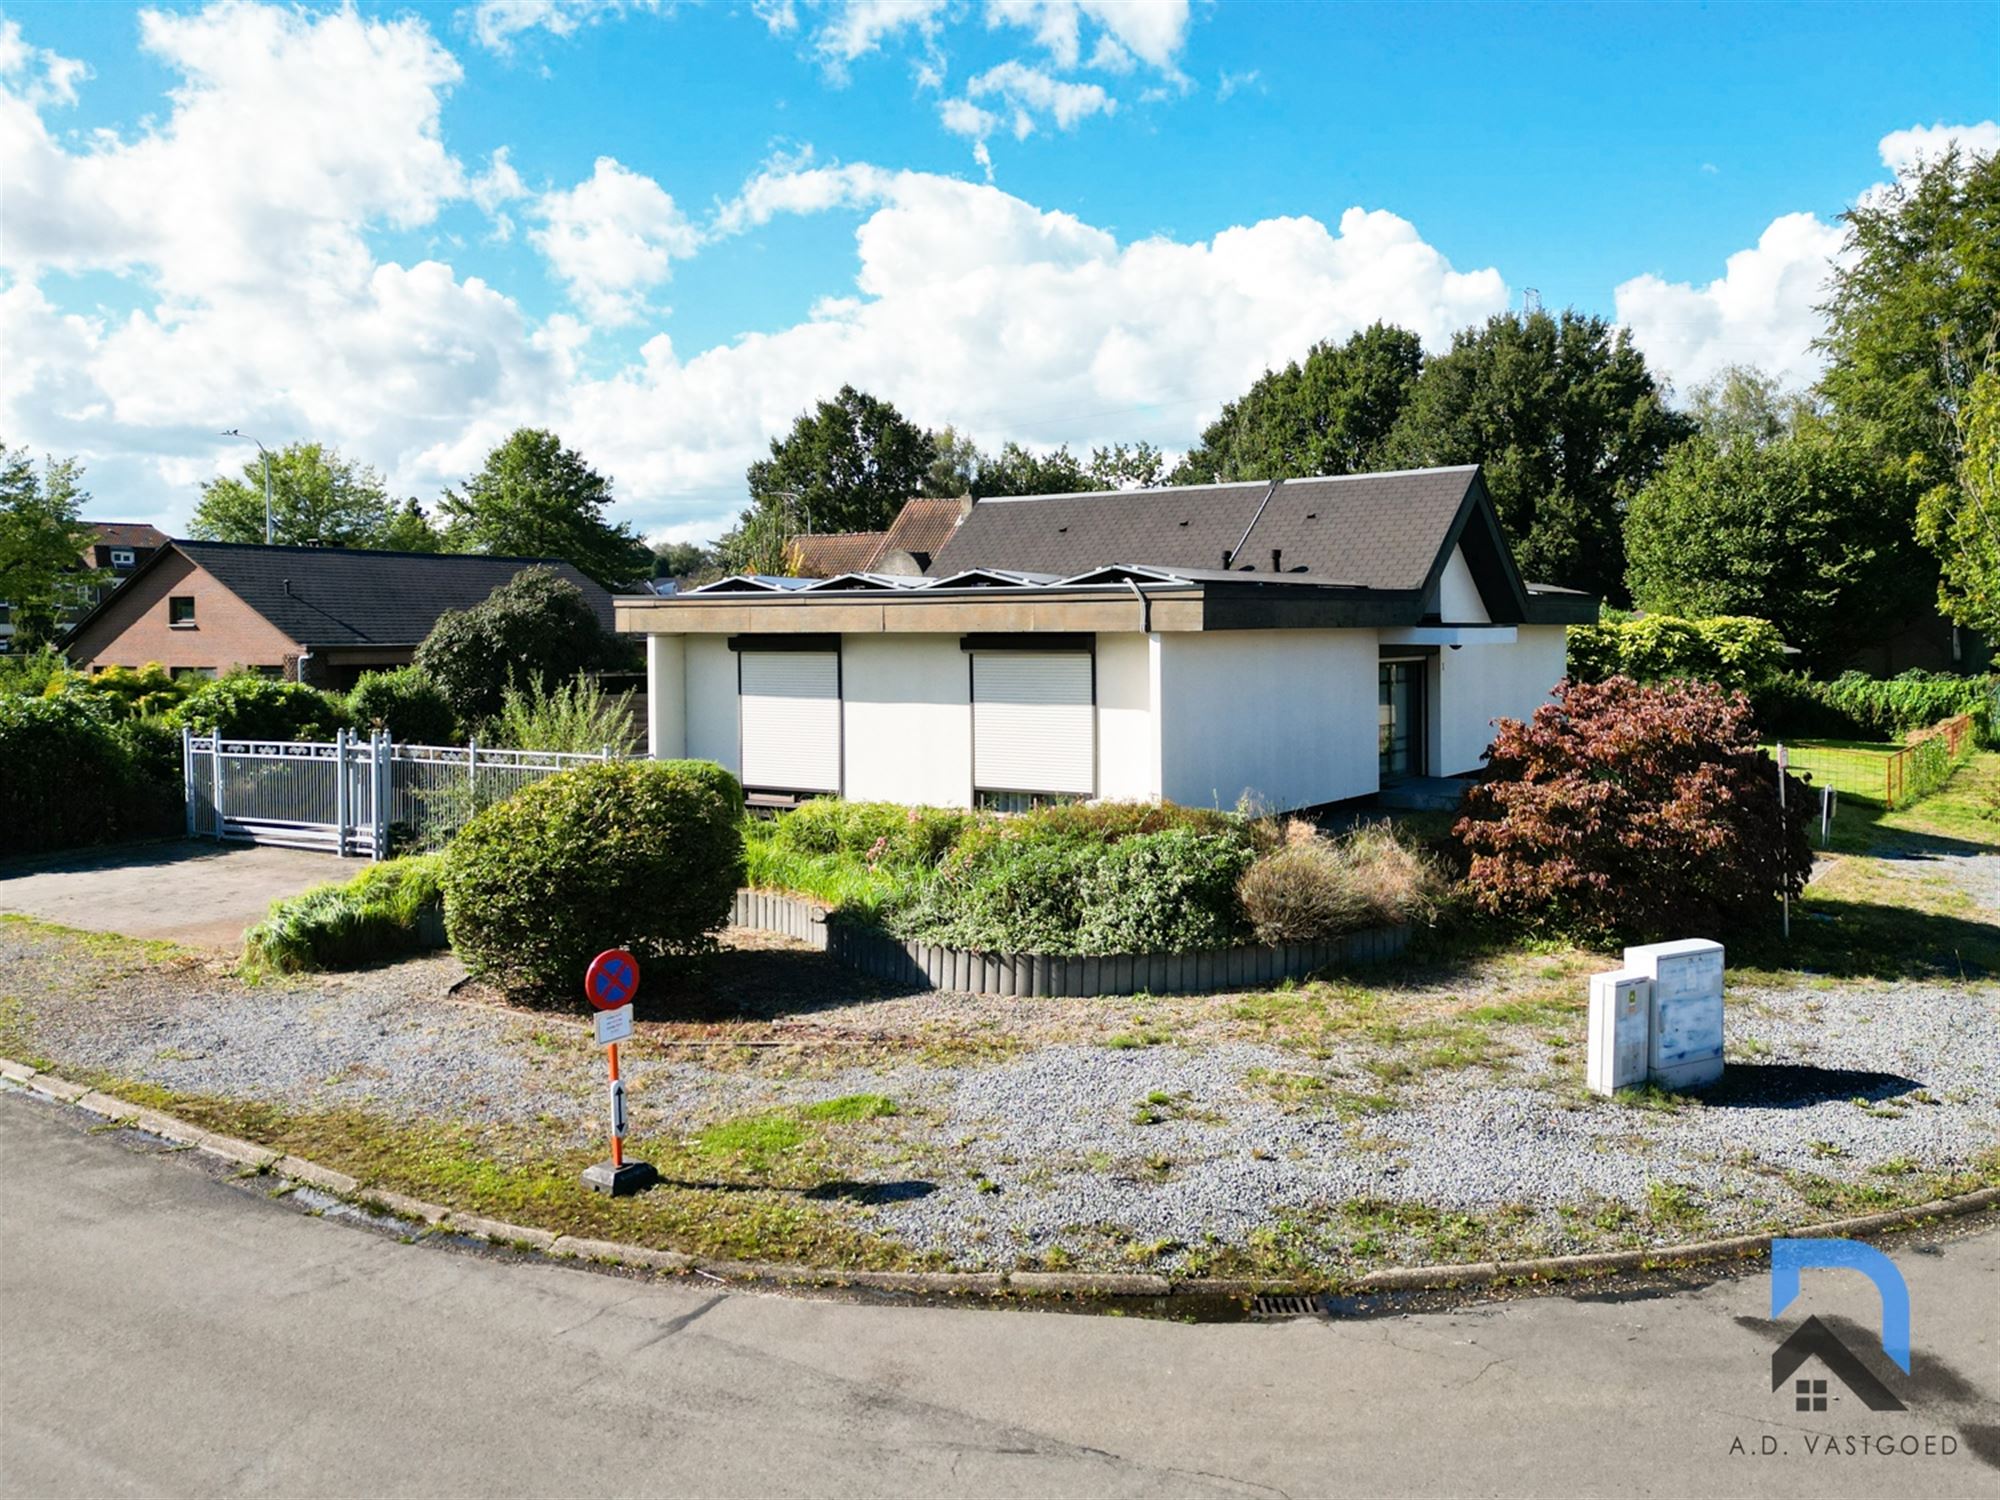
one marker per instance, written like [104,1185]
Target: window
[1020,802]
[1401,701]
[180,610]
[121,557]
[1033,727]
[180,672]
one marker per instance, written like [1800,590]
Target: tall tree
[1961,522]
[42,541]
[1915,309]
[1328,414]
[1913,319]
[1804,530]
[1569,424]
[846,465]
[1016,470]
[533,497]
[318,499]
[954,468]
[1742,402]
[1140,466]
[410,530]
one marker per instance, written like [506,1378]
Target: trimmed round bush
[641,854]
[405,702]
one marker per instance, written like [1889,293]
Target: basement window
[1019,802]
[180,611]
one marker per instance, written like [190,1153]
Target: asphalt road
[164,1331]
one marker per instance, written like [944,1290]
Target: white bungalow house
[1301,641]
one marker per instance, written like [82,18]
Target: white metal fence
[351,795]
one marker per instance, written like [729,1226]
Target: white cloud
[1031,91]
[1902,150]
[858,27]
[264,305]
[496,23]
[612,238]
[42,77]
[1761,311]
[1154,30]
[780,17]
[1764,309]
[1228,84]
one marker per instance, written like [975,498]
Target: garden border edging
[262,1159]
[1038,975]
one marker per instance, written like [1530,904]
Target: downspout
[1145,606]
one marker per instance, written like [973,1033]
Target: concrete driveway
[192,891]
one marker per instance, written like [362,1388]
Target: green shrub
[1311,888]
[71,773]
[245,706]
[135,692]
[1857,706]
[406,703]
[30,672]
[642,854]
[538,621]
[1733,650]
[375,915]
[575,715]
[1168,892]
[1019,895]
[879,833]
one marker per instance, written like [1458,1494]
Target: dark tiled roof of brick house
[340,596]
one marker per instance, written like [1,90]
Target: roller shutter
[1033,726]
[791,720]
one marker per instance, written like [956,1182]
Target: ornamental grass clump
[1629,811]
[1312,887]
[378,914]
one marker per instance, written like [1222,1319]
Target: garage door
[791,720]
[1033,728]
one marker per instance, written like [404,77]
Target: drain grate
[1288,1306]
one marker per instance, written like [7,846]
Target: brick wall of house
[133,629]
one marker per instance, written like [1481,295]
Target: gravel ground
[1035,1136]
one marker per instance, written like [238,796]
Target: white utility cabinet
[1621,1021]
[1686,1048]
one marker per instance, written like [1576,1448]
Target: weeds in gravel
[1675,1207]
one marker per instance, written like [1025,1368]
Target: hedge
[76,774]
[406,703]
[1857,706]
[246,706]
[1733,650]
[643,854]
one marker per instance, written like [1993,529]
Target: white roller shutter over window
[791,720]
[1033,726]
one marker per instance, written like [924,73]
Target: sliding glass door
[1401,694]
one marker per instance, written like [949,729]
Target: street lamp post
[235,433]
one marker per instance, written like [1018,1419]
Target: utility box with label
[1686,1023]
[1621,1024]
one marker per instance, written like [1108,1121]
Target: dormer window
[121,557]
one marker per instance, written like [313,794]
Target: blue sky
[1040,219]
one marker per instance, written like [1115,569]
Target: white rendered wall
[908,719]
[1478,684]
[1288,716]
[666,696]
[1128,730]
[1458,596]
[711,719]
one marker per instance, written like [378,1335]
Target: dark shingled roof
[340,596]
[1382,531]
[128,534]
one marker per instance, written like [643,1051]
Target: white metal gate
[345,796]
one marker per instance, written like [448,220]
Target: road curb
[1052,1285]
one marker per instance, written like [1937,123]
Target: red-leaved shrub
[1635,811]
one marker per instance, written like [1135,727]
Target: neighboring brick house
[120,550]
[917,535]
[322,615]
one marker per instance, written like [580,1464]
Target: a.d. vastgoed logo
[1814,1341]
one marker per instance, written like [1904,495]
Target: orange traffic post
[609,984]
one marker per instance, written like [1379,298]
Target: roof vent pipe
[1277,553]
[288,588]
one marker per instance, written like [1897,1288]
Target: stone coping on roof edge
[1031,1284]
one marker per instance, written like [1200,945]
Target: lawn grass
[770,1187]
[1853,768]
